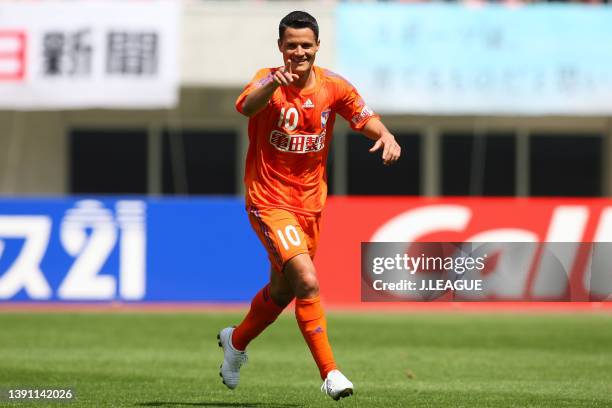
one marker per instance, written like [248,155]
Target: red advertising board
[347,222]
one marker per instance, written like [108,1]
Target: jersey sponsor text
[297,143]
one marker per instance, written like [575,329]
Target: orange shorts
[285,234]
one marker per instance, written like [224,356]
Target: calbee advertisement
[466,249]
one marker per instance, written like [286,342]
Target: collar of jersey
[315,88]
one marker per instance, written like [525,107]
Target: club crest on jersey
[297,143]
[324,117]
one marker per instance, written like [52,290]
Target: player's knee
[302,277]
[307,286]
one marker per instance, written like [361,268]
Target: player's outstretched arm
[258,99]
[374,129]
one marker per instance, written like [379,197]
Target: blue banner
[129,250]
[486,59]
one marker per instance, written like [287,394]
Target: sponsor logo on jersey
[308,104]
[324,117]
[297,143]
[366,112]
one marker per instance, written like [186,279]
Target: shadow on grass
[214,404]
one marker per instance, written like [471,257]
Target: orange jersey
[290,138]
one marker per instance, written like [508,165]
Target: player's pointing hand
[391,150]
[284,76]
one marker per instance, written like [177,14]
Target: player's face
[300,46]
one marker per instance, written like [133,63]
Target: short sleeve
[261,78]
[351,106]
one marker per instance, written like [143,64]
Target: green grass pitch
[395,360]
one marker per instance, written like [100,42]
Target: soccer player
[291,112]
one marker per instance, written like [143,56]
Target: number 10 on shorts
[291,234]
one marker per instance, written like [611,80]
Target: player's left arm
[362,119]
[375,130]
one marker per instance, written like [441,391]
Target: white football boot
[336,385]
[232,359]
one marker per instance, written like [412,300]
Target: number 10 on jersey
[288,117]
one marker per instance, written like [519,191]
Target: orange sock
[311,319]
[263,313]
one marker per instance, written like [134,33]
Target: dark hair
[298,19]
